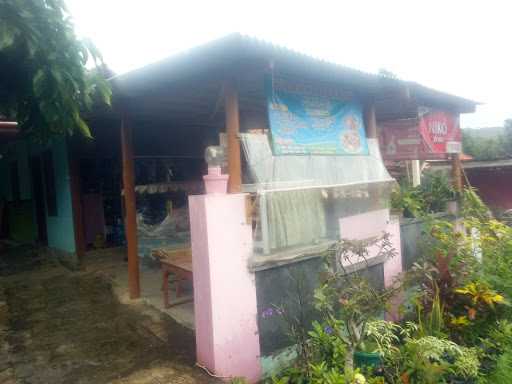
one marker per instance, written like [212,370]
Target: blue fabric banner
[306,124]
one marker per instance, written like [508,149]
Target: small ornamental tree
[44,83]
[346,298]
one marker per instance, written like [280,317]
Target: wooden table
[178,262]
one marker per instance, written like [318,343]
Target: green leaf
[84,128]
[39,83]
[7,37]
[49,87]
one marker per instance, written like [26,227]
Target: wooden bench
[178,262]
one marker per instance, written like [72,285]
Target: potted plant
[348,301]
[367,356]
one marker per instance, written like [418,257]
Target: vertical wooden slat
[130,220]
[232,132]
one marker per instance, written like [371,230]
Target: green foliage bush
[431,196]
[436,190]
[502,373]
[457,320]
[46,84]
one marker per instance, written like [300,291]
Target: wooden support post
[416,172]
[130,221]
[458,226]
[232,132]
[457,173]
[370,121]
[76,203]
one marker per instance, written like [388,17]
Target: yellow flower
[460,321]
[359,379]
[497,298]
[480,292]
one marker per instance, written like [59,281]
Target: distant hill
[485,132]
[487,143]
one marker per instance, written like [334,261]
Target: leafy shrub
[346,302]
[346,299]
[238,380]
[458,326]
[436,190]
[503,371]
[328,347]
[425,360]
[430,197]
[408,200]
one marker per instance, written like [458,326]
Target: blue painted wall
[61,232]
[60,228]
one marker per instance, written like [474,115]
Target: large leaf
[43,63]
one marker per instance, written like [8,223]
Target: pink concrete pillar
[375,223]
[393,267]
[371,224]
[227,337]
[364,226]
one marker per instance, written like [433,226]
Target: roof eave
[236,47]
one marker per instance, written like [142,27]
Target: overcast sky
[461,47]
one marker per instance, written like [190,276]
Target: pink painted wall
[375,223]
[224,290]
[393,267]
[364,226]
[371,224]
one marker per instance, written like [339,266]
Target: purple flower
[269,312]
[328,329]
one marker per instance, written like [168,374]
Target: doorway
[38,193]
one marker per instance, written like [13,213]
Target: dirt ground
[58,326]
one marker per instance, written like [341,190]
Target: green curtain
[295,217]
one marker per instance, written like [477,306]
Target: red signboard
[431,136]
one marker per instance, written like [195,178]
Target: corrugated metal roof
[236,47]
[475,164]
[239,46]
[487,164]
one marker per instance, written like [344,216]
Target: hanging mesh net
[301,198]
[270,173]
